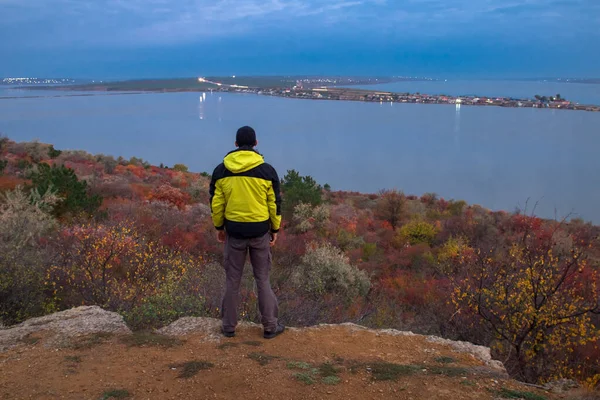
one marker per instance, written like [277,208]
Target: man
[246,211]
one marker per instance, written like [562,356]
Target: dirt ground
[327,363]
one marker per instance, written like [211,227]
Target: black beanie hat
[245,137]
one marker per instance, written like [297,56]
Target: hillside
[137,239]
[89,353]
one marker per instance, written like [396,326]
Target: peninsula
[322,88]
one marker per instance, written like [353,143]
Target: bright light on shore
[201,80]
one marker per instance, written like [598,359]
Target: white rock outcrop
[65,325]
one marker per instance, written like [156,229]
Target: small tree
[180,167]
[390,207]
[299,189]
[53,153]
[63,182]
[416,232]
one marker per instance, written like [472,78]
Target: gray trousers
[235,258]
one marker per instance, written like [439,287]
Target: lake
[492,156]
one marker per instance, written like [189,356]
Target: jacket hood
[242,160]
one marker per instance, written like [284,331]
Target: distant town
[351,94]
[36,81]
[315,88]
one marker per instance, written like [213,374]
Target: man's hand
[273,239]
[221,236]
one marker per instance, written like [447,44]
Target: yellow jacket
[244,195]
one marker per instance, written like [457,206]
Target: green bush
[325,269]
[24,218]
[3,164]
[181,297]
[418,232]
[162,309]
[53,153]
[456,208]
[180,167]
[307,217]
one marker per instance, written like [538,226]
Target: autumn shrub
[391,207]
[181,295]
[169,194]
[35,150]
[456,207]
[347,240]
[417,231]
[118,187]
[4,142]
[198,190]
[113,266]
[536,295]
[429,198]
[306,217]
[108,163]
[325,269]
[24,220]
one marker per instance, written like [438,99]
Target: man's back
[245,196]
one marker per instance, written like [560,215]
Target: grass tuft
[29,339]
[115,394]
[141,339]
[445,360]
[516,394]
[227,345]
[89,341]
[327,370]
[191,368]
[304,377]
[253,343]
[383,371]
[331,380]
[75,359]
[262,358]
[447,371]
[298,365]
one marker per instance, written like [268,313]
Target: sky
[119,39]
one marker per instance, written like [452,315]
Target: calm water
[577,92]
[496,157]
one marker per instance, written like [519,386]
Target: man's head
[245,137]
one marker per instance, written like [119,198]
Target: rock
[561,385]
[64,325]
[481,353]
[211,327]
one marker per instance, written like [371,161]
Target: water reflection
[457,127]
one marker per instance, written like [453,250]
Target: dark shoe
[278,331]
[227,334]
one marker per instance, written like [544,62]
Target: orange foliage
[171,195]
[10,182]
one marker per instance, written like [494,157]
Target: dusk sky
[178,38]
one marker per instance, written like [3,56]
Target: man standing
[246,211]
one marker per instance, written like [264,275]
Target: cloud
[150,22]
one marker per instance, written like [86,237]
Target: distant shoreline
[346,93]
